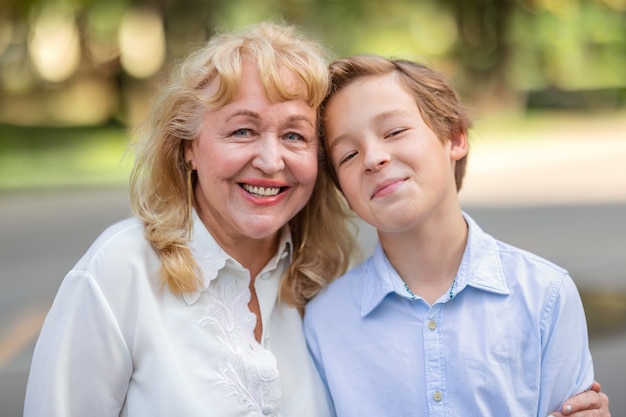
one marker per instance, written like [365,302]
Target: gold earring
[189,169]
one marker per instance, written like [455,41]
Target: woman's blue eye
[241,132]
[291,136]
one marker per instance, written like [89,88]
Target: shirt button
[267,410]
[437,396]
[432,325]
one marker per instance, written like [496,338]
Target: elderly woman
[192,307]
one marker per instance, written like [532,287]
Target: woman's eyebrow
[254,115]
[300,117]
[246,113]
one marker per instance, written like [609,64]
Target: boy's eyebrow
[390,113]
[379,118]
[336,141]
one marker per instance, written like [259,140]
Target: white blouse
[116,342]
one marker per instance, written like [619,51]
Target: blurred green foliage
[495,50]
[43,156]
[502,55]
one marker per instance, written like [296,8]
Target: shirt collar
[480,268]
[211,258]
[380,280]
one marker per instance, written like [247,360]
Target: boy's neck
[428,258]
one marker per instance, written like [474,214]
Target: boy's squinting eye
[347,157]
[395,132]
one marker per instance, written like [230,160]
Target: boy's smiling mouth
[387,187]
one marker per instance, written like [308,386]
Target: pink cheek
[309,171]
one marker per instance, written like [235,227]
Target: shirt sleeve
[81,365]
[566,365]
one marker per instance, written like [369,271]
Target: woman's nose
[269,156]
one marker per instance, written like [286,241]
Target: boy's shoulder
[483,245]
[514,256]
[521,272]
[493,264]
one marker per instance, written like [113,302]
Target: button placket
[434,361]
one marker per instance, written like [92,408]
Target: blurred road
[42,235]
[568,207]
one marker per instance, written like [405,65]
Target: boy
[443,319]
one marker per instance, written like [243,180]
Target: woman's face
[256,162]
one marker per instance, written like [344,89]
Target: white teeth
[261,191]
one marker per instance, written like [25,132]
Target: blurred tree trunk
[483,50]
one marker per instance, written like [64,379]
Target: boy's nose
[375,158]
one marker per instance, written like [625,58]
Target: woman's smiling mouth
[261,191]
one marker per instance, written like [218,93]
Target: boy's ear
[458,146]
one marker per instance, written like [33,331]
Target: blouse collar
[211,258]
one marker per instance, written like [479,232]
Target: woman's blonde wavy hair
[323,238]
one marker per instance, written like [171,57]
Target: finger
[596,386]
[588,400]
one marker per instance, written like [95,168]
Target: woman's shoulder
[125,228]
[125,232]
[117,246]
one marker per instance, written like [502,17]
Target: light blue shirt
[510,339]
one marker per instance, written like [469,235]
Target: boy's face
[392,168]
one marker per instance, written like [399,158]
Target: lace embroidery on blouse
[250,371]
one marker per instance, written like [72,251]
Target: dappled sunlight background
[544,80]
[103,59]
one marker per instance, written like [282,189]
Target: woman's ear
[188,154]
[458,146]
